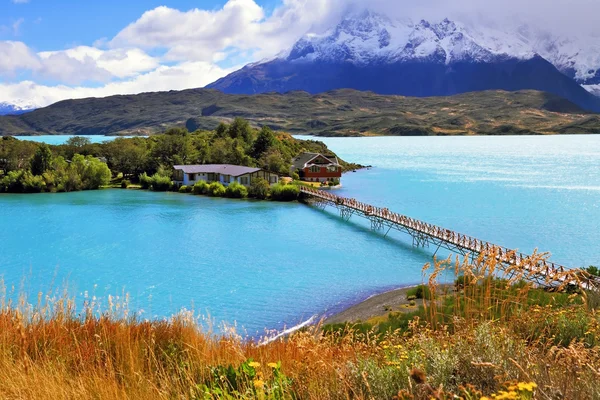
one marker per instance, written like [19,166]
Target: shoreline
[376,305]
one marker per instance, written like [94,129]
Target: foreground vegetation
[336,113]
[79,165]
[487,338]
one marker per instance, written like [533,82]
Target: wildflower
[254,364]
[259,384]
[273,365]
[526,386]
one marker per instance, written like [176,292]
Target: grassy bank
[480,338]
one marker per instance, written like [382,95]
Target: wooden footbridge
[423,234]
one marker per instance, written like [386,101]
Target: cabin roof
[304,159]
[224,169]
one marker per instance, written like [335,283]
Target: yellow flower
[259,384]
[272,365]
[254,364]
[526,386]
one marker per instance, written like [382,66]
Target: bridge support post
[376,223]
[420,240]
[346,212]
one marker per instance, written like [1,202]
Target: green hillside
[337,113]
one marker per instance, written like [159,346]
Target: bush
[200,187]
[593,270]
[161,183]
[282,192]
[156,182]
[236,190]
[125,184]
[145,181]
[183,189]
[215,189]
[33,183]
[295,176]
[259,189]
[419,292]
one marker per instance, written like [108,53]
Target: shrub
[593,270]
[419,292]
[282,192]
[145,181]
[295,176]
[259,189]
[215,189]
[236,190]
[33,183]
[12,182]
[125,183]
[200,187]
[183,189]
[161,183]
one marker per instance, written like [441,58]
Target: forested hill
[336,113]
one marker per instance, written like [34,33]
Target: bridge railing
[460,240]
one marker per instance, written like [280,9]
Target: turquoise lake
[270,265]
[62,139]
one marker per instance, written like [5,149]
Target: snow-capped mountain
[13,109]
[372,38]
[369,51]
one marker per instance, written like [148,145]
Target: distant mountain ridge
[369,51]
[12,109]
[336,113]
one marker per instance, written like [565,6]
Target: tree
[92,172]
[128,156]
[78,142]
[259,189]
[16,154]
[221,130]
[274,161]
[264,141]
[240,128]
[174,149]
[41,160]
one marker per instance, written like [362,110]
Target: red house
[315,167]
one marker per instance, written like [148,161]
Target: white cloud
[16,56]
[120,63]
[76,65]
[183,76]
[241,31]
[196,34]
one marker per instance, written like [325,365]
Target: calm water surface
[62,139]
[265,264]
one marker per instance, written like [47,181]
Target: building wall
[307,173]
[197,177]
[184,179]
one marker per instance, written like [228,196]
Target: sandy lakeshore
[375,306]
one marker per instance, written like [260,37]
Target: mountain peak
[368,37]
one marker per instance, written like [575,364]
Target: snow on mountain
[593,89]
[373,38]
[14,109]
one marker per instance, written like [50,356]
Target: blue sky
[59,24]
[51,50]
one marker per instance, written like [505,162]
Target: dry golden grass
[489,336]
